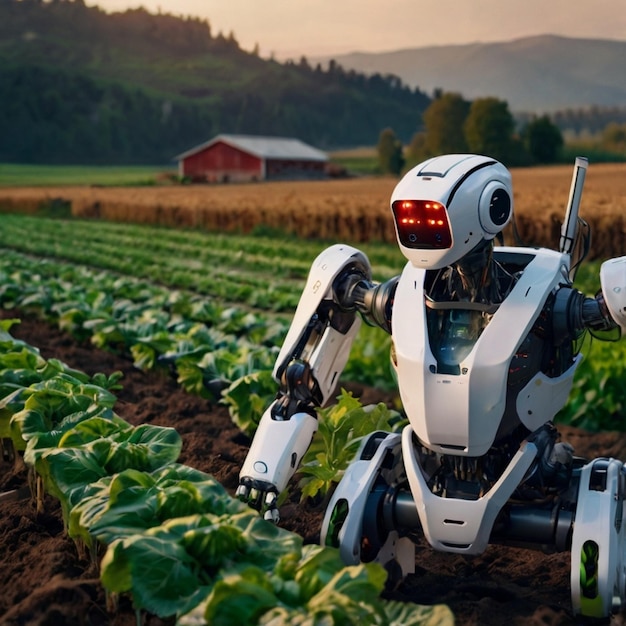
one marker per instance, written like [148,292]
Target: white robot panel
[613,282]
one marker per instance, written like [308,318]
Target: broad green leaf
[266,543]
[145,447]
[84,506]
[158,573]
[114,507]
[410,614]
[69,469]
[183,498]
[144,356]
[213,545]
[54,367]
[316,569]
[103,424]
[192,378]
[248,397]
[15,356]
[240,599]
[115,568]
[42,439]
[186,491]
[28,423]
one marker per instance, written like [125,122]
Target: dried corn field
[541,195]
[352,210]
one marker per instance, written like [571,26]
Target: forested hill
[78,85]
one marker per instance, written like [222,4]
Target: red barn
[240,158]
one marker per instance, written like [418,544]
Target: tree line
[49,115]
[452,124]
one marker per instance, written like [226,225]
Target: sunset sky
[290,29]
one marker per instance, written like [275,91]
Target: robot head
[444,207]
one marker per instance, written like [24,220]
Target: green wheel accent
[590,600]
[337,518]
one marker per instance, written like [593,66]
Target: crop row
[207,345]
[175,541]
[294,253]
[263,273]
[223,354]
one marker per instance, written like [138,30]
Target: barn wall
[290,169]
[222,163]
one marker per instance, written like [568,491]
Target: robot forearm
[273,458]
[318,343]
[326,321]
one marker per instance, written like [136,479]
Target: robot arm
[314,353]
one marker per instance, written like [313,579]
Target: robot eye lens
[499,207]
[422,224]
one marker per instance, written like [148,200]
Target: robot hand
[261,496]
[274,456]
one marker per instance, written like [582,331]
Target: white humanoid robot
[484,346]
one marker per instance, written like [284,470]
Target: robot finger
[271,511]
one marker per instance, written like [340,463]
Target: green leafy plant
[598,397]
[341,429]
[176,542]
[248,397]
[309,585]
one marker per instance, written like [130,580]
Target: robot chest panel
[452,366]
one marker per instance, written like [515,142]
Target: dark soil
[44,581]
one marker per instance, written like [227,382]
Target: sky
[293,28]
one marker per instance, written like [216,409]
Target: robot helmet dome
[445,206]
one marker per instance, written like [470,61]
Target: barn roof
[263,147]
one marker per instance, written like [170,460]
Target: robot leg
[598,559]
[355,517]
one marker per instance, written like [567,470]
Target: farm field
[45,581]
[186,313]
[46,175]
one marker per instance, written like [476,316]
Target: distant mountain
[539,74]
[78,85]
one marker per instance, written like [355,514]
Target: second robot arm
[313,355]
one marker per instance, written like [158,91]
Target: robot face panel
[422,224]
[445,206]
